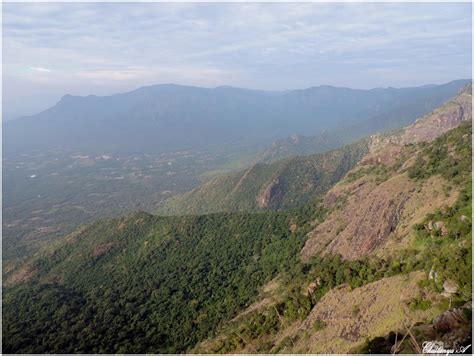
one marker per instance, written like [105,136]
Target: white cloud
[40,69]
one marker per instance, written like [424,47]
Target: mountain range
[371,254]
[171,117]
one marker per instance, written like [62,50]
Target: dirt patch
[423,200]
[24,274]
[268,297]
[100,250]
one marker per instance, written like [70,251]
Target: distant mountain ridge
[294,181]
[333,138]
[169,117]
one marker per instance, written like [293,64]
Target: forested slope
[394,250]
[283,184]
[142,283]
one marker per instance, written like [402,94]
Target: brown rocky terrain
[376,201]
[271,193]
[350,316]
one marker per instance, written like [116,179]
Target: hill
[171,117]
[290,281]
[283,184]
[142,283]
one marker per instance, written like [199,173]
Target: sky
[53,49]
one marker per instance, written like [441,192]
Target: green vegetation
[70,188]
[296,303]
[446,156]
[319,325]
[444,236]
[419,303]
[284,184]
[379,171]
[449,257]
[148,284]
[443,242]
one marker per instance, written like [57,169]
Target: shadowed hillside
[163,118]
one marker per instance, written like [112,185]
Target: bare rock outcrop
[272,193]
[365,213]
[385,148]
[368,217]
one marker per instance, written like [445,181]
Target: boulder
[440,226]
[311,287]
[448,321]
[430,225]
[450,286]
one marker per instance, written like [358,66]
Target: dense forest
[148,284]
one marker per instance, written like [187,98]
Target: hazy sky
[91,48]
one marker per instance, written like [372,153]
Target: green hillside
[284,184]
[142,283]
[149,284]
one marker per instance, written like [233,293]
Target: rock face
[384,148]
[380,310]
[441,120]
[271,194]
[368,217]
[450,286]
[366,212]
[449,320]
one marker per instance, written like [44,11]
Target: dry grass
[380,309]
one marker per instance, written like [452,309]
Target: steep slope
[393,251]
[380,198]
[283,184]
[171,117]
[145,284]
[294,181]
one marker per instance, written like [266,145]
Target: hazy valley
[91,157]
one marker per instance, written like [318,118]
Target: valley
[138,150]
[51,193]
[390,241]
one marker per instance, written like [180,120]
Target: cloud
[40,69]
